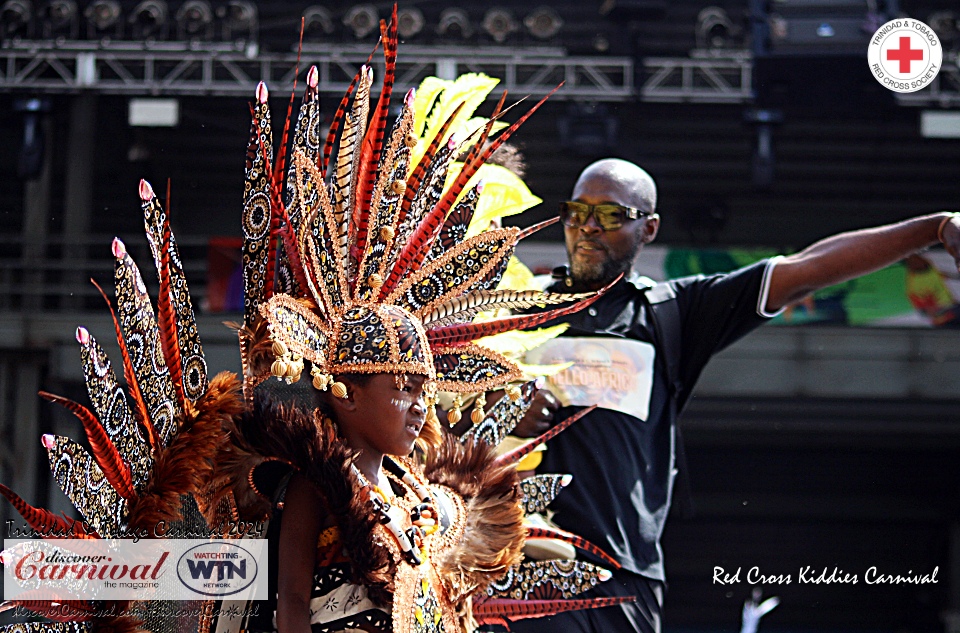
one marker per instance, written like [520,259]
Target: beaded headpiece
[364,263]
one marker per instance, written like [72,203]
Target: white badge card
[610,373]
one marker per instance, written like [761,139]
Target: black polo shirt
[623,467]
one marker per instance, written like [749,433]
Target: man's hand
[951,238]
[539,416]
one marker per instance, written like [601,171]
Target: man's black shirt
[623,467]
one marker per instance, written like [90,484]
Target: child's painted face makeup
[389,415]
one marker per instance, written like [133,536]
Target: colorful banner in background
[921,291]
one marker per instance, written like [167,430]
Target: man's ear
[651,226]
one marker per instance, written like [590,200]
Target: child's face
[388,415]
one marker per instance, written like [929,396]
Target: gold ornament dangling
[338,389]
[431,401]
[279,349]
[476,416]
[453,415]
[279,368]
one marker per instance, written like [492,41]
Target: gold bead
[453,415]
[294,369]
[279,349]
[320,383]
[339,390]
[476,416]
[278,368]
[398,187]
[410,140]
[386,233]
[375,281]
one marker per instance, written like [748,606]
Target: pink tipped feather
[108,457]
[133,388]
[43,521]
[416,176]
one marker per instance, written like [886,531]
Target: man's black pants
[642,616]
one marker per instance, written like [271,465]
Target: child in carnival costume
[363,268]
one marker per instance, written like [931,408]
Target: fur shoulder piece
[493,533]
[271,438]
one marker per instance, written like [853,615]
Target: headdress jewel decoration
[364,266]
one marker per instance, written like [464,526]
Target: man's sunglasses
[610,217]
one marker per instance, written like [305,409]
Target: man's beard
[598,273]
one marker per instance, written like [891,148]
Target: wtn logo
[225,569]
[218,568]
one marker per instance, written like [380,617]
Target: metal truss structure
[707,79]
[180,68]
[224,69]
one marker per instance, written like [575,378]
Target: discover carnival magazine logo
[123,569]
[905,55]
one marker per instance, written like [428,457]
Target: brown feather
[494,534]
[186,466]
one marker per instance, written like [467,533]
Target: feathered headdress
[364,264]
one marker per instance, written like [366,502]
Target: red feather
[338,116]
[106,454]
[517,454]
[167,319]
[41,520]
[419,243]
[478,156]
[416,176]
[139,406]
[462,333]
[500,609]
[373,140]
[573,539]
[291,250]
[530,230]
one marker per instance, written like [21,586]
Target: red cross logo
[905,54]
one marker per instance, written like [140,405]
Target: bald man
[622,455]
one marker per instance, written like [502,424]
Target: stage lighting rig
[149,20]
[317,23]
[499,24]
[195,20]
[362,20]
[454,24]
[715,30]
[239,20]
[543,23]
[409,22]
[946,24]
[59,19]
[103,19]
[15,19]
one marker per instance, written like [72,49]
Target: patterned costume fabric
[369,263]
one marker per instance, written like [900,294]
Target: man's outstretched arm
[849,255]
